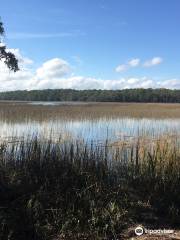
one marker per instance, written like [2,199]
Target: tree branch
[9,58]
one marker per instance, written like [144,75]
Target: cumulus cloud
[14,81]
[153,62]
[172,83]
[54,68]
[22,60]
[130,64]
[121,68]
[57,73]
[134,62]
[82,83]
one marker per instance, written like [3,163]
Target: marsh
[94,163]
[88,122]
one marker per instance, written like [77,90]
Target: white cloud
[54,68]
[153,62]
[81,83]
[56,73]
[22,60]
[172,83]
[121,68]
[134,62]
[14,81]
[130,64]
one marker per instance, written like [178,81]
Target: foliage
[126,95]
[1,28]
[7,56]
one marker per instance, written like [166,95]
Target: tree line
[125,95]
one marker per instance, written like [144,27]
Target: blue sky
[97,36]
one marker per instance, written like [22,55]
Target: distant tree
[9,58]
[126,95]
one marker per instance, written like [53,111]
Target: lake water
[85,122]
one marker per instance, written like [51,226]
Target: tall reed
[77,191]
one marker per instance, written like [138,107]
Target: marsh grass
[76,191]
[24,111]
[88,121]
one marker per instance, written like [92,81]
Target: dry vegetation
[19,111]
[54,190]
[73,191]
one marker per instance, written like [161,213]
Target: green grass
[74,191]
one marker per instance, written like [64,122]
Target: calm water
[98,129]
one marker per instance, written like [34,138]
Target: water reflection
[97,130]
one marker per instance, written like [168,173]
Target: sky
[97,44]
